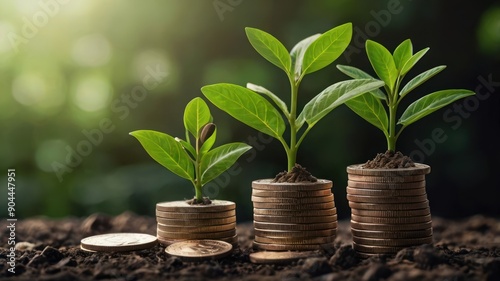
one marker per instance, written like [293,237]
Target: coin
[196,222]
[284,206]
[376,249]
[391,227]
[118,242]
[391,234]
[185,207]
[419,169]
[387,199]
[398,220]
[391,214]
[386,192]
[193,236]
[368,255]
[295,240]
[267,184]
[295,213]
[231,240]
[196,228]
[386,179]
[291,194]
[271,257]
[306,200]
[392,242]
[195,216]
[294,227]
[194,250]
[389,207]
[289,233]
[293,219]
[386,185]
[290,247]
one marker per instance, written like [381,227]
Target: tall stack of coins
[293,216]
[389,209]
[180,221]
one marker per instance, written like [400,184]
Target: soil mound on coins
[205,201]
[297,174]
[389,160]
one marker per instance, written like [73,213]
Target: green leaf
[196,115]
[357,73]
[335,95]
[187,147]
[382,62]
[371,109]
[270,48]
[207,145]
[263,91]
[297,54]
[412,61]
[326,48]
[165,150]
[430,103]
[246,106]
[403,53]
[218,160]
[420,79]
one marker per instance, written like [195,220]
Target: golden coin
[385,192]
[270,257]
[389,207]
[232,240]
[289,233]
[295,240]
[196,250]
[195,216]
[268,185]
[192,236]
[295,227]
[368,255]
[295,213]
[387,199]
[118,242]
[403,186]
[391,227]
[377,249]
[185,207]
[392,242]
[197,229]
[391,214]
[291,194]
[419,169]
[392,234]
[198,222]
[400,220]
[292,219]
[307,200]
[290,247]
[388,179]
[284,206]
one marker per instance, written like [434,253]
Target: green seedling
[198,163]
[392,68]
[252,105]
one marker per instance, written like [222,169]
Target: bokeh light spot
[92,93]
[29,89]
[92,50]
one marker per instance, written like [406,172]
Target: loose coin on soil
[284,206]
[267,184]
[392,234]
[268,257]
[389,207]
[195,250]
[294,219]
[295,226]
[387,179]
[195,216]
[386,199]
[285,233]
[417,170]
[400,220]
[391,214]
[392,242]
[291,194]
[391,227]
[376,249]
[291,247]
[386,192]
[231,240]
[386,185]
[185,207]
[306,200]
[295,240]
[194,236]
[118,242]
[295,213]
[197,229]
[198,222]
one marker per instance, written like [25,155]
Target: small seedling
[392,68]
[250,106]
[198,163]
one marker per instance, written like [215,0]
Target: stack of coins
[390,210]
[179,221]
[293,217]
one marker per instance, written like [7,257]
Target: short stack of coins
[179,221]
[293,217]
[389,209]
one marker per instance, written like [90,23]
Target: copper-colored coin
[232,240]
[387,199]
[376,249]
[195,216]
[392,234]
[194,250]
[288,233]
[403,186]
[391,214]
[295,213]
[291,194]
[419,169]
[391,227]
[400,220]
[287,247]
[295,240]
[388,179]
[193,236]
[306,200]
[193,222]
[295,227]
[185,207]
[392,242]
[389,207]
[197,228]
[269,257]
[301,186]
[385,192]
[284,206]
[118,242]
[292,219]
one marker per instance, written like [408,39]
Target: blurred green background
[77,76]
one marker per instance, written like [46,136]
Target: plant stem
[391,139]
[292,152]
[197,167]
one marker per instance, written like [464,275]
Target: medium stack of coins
[180,221]
[298,216]
[390,210]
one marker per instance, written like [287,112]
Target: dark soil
[389,160]
[468,249]
[297,174]
[205,201]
